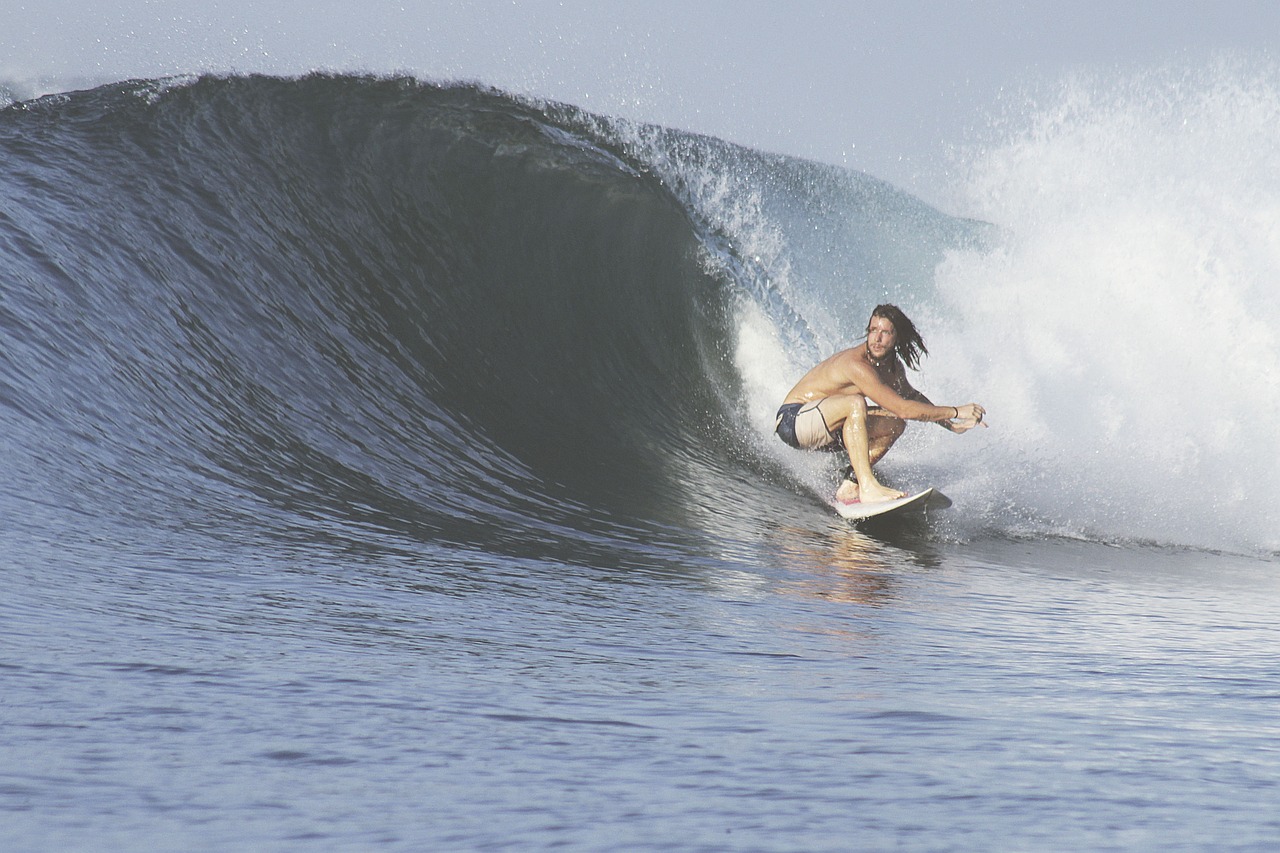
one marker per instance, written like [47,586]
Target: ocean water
[388,467]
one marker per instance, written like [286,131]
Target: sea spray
[1126,335]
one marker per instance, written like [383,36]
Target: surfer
[859,401]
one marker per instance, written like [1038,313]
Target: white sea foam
[1123,333]
[1126,337]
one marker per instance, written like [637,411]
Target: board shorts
[803,426]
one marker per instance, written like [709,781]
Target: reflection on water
[842,563]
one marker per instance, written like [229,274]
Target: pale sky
[885,87]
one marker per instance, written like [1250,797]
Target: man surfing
[859,401]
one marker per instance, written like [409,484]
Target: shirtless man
[859,401]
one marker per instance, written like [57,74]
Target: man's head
[891,330]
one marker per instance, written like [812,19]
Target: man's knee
[853,409]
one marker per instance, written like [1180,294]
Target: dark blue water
[367,446]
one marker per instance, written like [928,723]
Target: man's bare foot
[873,493]
[848,492]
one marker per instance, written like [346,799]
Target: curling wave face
[374,303]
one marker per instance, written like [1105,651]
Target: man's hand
[969,416]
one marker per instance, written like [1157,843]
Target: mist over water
[1124,334]
[1118,317]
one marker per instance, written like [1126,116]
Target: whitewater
[389,466]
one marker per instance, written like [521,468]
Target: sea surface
[387,466]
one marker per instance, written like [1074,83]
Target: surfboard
[857,511]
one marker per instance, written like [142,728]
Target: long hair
[910,345]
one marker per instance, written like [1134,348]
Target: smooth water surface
[842,693]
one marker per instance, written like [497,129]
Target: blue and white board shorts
[803,426]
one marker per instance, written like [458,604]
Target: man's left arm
[909,393]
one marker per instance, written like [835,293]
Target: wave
[358,306]
[410,306]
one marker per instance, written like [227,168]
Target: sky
[889,88]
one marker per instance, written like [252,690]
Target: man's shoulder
[851,355]
[854,358]
[851,368]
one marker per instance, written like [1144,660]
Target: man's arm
[915,408]
[912,394]
[966,417]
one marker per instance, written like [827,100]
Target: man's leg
[857,442]
[883,429]
[850,413]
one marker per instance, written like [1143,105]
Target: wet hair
[910,345]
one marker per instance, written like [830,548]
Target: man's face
[881,337]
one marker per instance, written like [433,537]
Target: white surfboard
[858,511]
